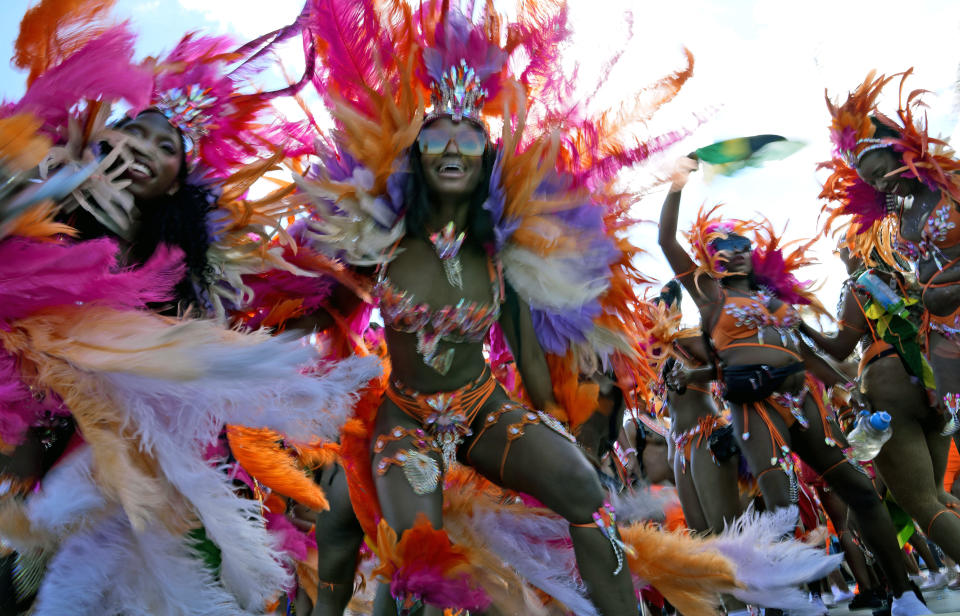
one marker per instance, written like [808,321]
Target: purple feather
[557,331]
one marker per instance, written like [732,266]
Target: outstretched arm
[821,368]
[853,324]
[681,263]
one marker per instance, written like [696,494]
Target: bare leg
[854,488]
[339,537]
[717,487]
[836,579]
[687,492]
[913,568]
[544,464]
[914,458]
[399,503]
[759,450]
[838,512]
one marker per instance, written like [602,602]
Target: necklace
[447,244]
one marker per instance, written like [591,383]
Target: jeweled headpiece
[464,66]
[457,94]
[199,87]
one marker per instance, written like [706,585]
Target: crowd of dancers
[407,364]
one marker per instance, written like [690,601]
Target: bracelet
[848,386]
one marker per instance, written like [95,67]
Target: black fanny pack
[722,444]
[754,382]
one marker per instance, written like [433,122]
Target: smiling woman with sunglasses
[487,251]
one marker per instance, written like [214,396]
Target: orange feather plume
[850,121]
[21,146]
[38,223]
[261,453]
[676,564]
[54,29]
[706,227]
[928,158]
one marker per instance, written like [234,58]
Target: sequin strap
[951,402]
[445,416]
[421,468]
[605,518]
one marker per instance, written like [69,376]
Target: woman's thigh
[687,491]
[523,450]
[407,468]
[717,487]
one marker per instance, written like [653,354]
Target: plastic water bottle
[881,292]
[869,435]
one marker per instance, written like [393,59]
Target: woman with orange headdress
[895,192]
[745,290]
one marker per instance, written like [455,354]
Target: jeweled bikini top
[462,322]
[941,231]
[745,317]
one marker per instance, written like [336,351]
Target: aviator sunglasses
[434,141]
[731,243]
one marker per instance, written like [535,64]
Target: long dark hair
[178,220]
[418,204]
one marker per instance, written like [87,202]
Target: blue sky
[762,67]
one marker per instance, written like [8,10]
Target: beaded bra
[940,231]
[743,317]
[462,322]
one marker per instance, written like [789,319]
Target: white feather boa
[771,567]
[108,569]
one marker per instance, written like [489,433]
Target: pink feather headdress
[773,266]
[78,57]
[200,87]
[869,230]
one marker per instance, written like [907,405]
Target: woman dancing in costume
[896,191]
[707,485]
[108,508]
[752,330]
[895,377]
[469,236]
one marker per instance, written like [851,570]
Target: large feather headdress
[385,68]
[774,262]
[860,211]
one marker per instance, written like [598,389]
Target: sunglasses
[731,243]
[434,141]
